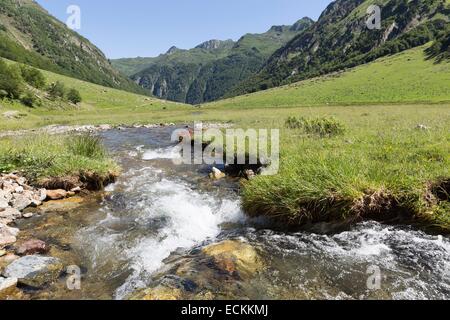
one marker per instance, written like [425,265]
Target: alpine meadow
[106,193]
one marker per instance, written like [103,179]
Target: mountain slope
[341,39]
[30,35]
[99,105]
[208,71]
[407,77]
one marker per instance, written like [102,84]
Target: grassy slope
[100,105]
[383,161]
[404,78]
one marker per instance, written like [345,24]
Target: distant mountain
[29,34]
[208,71]
[341,39]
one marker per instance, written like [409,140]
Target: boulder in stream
[31,247]
[34,271]
[235,257]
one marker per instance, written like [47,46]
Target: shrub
[74,96]
[11,80]
[323,127]
[56,90]
[33,77]
[28,99]
[87,145]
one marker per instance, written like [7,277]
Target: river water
[159,215]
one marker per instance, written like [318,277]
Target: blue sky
[130,28]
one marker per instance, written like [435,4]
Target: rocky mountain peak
[172,50]
[302,24]
[212,44]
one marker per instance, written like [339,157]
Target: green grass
[44,156]
[407,77]
[100,105]
[381,154]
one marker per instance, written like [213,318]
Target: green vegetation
[99,105]
[56,90]
[11,82]
[74,96]
[383,167]
[44,156]
[210,70]
[30,35]
[337,41]
[408,77]
[23,83]
[322,127]
[391,162]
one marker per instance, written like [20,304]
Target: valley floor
[392,162]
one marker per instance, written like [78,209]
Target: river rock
[56,194]
[160,293]
[11,115]
[7,235]
[249,174]
[31,247]
[2,253]
[216,174]
[22,200]
[3,204]
[35,271]
[235,256]
[7,286]
[10,214]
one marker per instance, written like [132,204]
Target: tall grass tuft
[86,145]
[322,127]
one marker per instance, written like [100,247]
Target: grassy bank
[58,161]
[383,167]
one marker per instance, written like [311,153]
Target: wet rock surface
[31,247]
[34,271]
[216,271]
[7,286]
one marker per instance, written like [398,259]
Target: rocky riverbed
[24,264]
[166,231]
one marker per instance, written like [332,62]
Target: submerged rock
[216,174]
[33,246]
[7,286]
[234,256]
[35,271]
[159,293]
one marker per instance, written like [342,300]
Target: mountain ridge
[29,34]
[340,39]
[207,71]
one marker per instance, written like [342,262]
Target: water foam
[179,217]
[162,153]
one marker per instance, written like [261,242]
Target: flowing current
[158,215]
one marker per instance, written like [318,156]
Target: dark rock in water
[33,247]
[175,282]
[34,271]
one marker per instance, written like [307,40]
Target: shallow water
[159,215]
